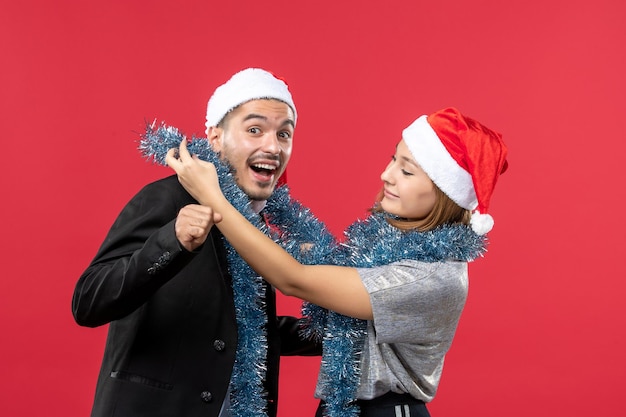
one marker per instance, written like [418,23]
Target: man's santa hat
[248,84]
[462,157]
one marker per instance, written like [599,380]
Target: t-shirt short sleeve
[415,301]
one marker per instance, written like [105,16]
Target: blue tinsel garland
[370,242]
[249,369]
[247,392]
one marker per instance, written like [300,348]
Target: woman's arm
[337,288]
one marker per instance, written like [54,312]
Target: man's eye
[285,135]
[254,130]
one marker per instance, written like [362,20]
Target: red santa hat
[248,84]
[462,157]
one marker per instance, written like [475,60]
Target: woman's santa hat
[248,84]
[462,157]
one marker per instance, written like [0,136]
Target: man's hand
[193,224]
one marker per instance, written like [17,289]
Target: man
[161,280]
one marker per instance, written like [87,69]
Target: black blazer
[172,335]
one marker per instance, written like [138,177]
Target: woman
[407,273]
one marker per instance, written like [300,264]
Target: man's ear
[214,136]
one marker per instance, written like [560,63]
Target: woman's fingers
[170,158]
[198,177]
[183,153]
[176,157]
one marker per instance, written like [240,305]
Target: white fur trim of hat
[435,160]
[248,84]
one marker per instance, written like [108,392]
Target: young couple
[193,329]
[402,274]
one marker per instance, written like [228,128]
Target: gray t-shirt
[416,306]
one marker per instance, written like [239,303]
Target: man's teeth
[264,166]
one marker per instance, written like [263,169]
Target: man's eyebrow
[260,116]
[254,116]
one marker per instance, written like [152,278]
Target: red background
[543,330]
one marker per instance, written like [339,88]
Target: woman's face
[408,191]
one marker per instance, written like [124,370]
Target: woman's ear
[214,136]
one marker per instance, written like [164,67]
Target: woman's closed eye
[404,171]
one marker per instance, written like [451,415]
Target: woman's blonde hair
[445,211]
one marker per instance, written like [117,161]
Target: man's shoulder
[167,183]
[167,189]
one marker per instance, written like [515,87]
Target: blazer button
[206,396]
[219,345]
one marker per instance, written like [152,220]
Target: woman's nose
[385,176]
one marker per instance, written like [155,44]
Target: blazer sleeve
[139,254]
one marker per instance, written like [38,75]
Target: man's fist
[193,225]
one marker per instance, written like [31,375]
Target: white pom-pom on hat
[248,84]
[481,223]
[462,157]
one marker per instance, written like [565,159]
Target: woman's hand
[198,177]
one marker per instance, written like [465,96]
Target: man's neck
[257,205]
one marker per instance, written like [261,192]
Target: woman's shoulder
[421,267]
[410,272]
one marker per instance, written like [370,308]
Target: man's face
[256,139]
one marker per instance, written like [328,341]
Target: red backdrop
[544,325]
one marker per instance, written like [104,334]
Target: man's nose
[270,143]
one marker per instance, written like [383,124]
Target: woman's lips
[389,194]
